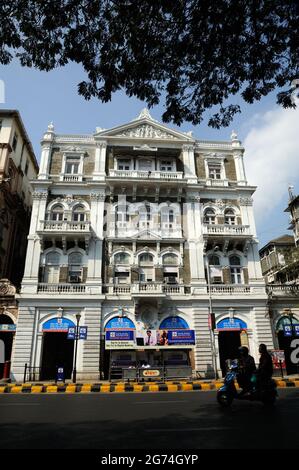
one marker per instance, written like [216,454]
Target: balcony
[64,226]
[282,290]
[69,288]
[210,229]
[145,230]
[235,289]
[154,289]
[141,174]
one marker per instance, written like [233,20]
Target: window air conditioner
[216,280]
[75,278]
[171,280]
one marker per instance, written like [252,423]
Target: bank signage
[8,328]
[181,337]
[116,339]
[60,325]
[231,324]
[287,330]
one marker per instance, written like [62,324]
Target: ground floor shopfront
[123,335]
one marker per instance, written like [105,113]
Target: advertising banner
[116,339]
[181,337]
[278,359]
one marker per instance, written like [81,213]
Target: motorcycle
[266,393]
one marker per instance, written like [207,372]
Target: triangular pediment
[148,235]
[145,127]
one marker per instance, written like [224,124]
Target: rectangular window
[215,172]
[72,165]
[26,167]
[123,164]
[15,141]
[236,275]
[166,165]
[145,165]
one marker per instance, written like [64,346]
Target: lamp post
[78,317]
[212,334]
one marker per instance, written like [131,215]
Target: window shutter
[226,275]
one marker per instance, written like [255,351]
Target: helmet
[243,350]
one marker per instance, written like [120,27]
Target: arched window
[170,259]
[79,213]
[235,270]
[146,258]
[214,260]
[52,258]
[209,216]
[52,268]
[75,267]
[122,258]
[57,213]
[229,217]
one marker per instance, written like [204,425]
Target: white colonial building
[141,230]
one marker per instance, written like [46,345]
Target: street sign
[71,334]
[83,332]
[296,330]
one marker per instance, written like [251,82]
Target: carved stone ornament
[146,131]
[246,201]
[220,203]
[39,195]
[6,288]
[97,196]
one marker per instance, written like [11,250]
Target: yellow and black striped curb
[124,387]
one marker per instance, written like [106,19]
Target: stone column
[238,158]
[189,163]
[203,349]
[94,272]
[46,143]
[32,264]
[100,161]
[24,339]
[90,359]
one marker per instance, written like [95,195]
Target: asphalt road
[186,420]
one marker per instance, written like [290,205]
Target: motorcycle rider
[246,369]
[265,369]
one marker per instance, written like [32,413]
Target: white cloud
[272,158]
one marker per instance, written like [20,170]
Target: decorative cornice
[245,201]
[146,131]
[39,195]
[98,196]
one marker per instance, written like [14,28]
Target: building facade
[280,268]
[18,166]
[142,231]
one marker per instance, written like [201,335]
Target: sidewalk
[121,387]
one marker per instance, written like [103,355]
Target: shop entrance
[6,335]
[57,351]
[229,342]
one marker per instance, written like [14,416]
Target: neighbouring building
[280,268]
[18,166]
[137,232]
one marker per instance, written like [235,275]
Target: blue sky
[42,97]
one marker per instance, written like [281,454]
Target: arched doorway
[57,349]
[7,331]
[285,339]
[229,339]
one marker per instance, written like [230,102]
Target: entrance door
[285,344]
[7,338]
[57,351]
[229,342]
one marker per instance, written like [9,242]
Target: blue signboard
[120,323]
[181,337]
[296,330]
[231,324]
[117,335]
[71,334]
[60,374]
[174,323]
[83,332]
[7,327]
[58,324]
[287,330]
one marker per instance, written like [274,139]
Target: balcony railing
[64,226]
[147,288]
[62,288]
[283,290]
[130,229]
[230,289]
[164,175]
[210,229]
